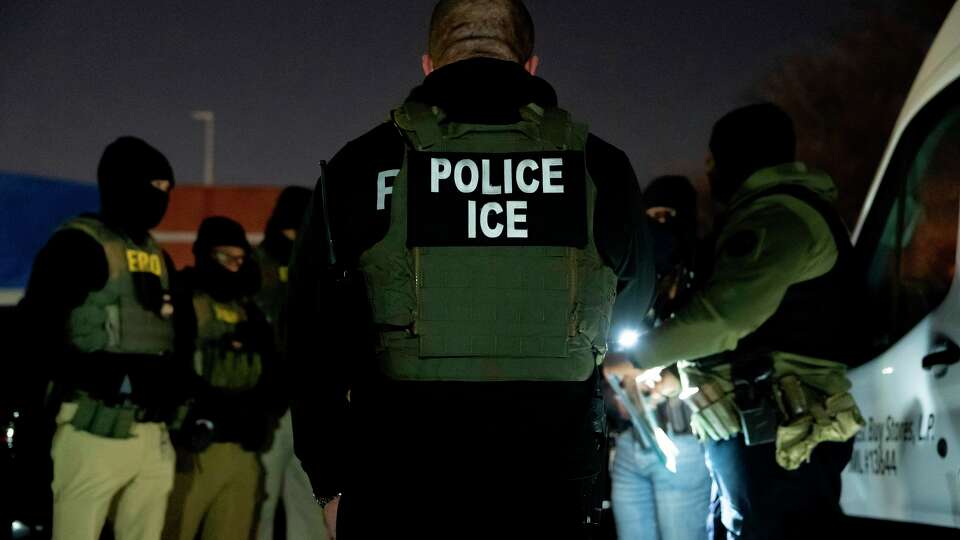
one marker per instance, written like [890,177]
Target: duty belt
[762,401]
[113,420]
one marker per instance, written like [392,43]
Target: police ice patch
[515,199]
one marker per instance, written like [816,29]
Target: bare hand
[330,516]
[623,370]
[668,386]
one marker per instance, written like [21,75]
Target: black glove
[251,335]
[150,292]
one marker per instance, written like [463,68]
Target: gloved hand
[250,335]
[150,293]
[718,421]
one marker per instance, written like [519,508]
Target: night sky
[291,82]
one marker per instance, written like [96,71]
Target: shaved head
[462,29]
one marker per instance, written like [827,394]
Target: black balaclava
[287,214]
[675,192]
[674,241]
[127,199]
[212,277]
[748,140]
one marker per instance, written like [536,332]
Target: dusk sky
[290,82]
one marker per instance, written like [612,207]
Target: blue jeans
[650,502]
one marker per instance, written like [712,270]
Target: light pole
[208,131]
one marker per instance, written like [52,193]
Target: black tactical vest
[818,317]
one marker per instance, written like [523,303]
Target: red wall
[189,205]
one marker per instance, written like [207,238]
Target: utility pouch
[95,418]
[104,418]
[83,417]
[753,395]
[794,398]
[123,425]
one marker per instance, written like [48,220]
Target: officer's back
[483,231]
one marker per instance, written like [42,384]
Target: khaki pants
[285,477]
[218,488]
[89,472]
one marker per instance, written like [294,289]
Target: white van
[906,463]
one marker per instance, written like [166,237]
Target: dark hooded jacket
[273,255]
[287,214]
[355,428]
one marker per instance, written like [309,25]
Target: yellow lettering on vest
[155,267]
[225,314]
[131,260]
[284,273]
[141,261]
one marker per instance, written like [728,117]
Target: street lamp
[208,130]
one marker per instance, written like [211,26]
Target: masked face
[135,180]
[155,199]
[227,273]
[717,189]
[137,208]
[231,258]
[661,214]
[725,181]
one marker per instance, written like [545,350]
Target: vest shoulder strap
[91,225]
[558,128]
[420,124]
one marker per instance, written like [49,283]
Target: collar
[483,91]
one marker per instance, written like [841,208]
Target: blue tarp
[31,208]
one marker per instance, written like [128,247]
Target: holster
[753,383]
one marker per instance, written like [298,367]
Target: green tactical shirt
[765,247]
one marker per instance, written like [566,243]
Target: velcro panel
[494,302]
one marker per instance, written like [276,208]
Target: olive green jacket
[763,248]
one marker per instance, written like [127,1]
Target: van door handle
[947,354]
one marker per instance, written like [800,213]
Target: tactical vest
[220,362]
[472,308]
[273,289]
[113,319]
[816,318]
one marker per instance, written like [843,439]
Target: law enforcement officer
[284,476]
[234,408]
[448,384]
[99,295]
[763,345]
